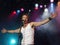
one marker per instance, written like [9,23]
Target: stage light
[51,0]
[13,41]
[52,8]
[46,13]
[18,11]
[45,6]
[46,10]
[14,12]
[22,9]
[36,8]
[41,6]
[36,5]
[29,10]
[52,4]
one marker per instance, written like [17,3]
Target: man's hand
[53,15]
[4,30]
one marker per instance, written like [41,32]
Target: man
[27,29]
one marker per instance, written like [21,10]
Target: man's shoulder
[31,23]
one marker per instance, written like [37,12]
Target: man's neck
[25,24]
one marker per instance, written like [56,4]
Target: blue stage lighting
[18,11]
[13,41]
[36,5]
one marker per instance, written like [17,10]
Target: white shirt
[28,35]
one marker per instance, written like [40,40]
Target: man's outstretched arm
[44,21]
[10,31]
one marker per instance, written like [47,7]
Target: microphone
[23,22]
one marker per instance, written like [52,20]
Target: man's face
[58,3]
[25,18]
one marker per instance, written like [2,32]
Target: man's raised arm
[10,31]
[44,21]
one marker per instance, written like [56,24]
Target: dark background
[8,6]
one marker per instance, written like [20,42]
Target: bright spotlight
[36,8]
[45,6]
[46,13]
[36,5]
[29,10]
[46,10]
[18,11]
[52,4]
[22,9]
[14,12]
[51,0]
[41,6]
[13,41]
[51,8]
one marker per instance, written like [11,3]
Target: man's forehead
[24,16]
